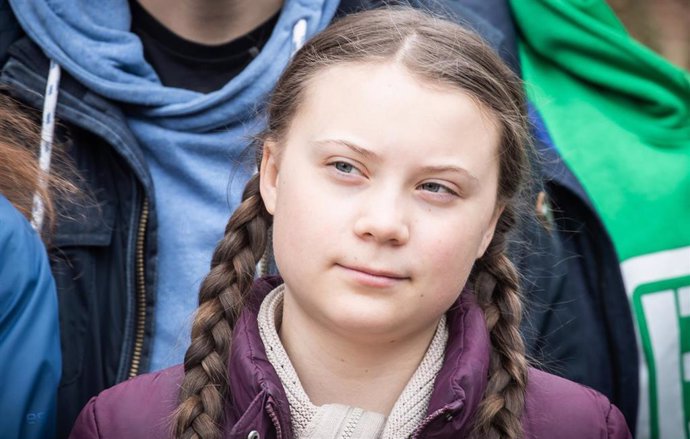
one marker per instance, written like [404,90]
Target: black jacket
[577,325]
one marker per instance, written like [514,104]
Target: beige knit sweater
[337,421]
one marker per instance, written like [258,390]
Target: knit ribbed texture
[340,421]
[410,409]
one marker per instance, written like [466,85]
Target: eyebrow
[474,181]
[464,173]
[358,149]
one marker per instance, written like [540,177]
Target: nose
[383,221]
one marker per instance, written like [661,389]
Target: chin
[369,325]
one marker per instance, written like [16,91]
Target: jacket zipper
[416,434]
[274,419]
[141,292]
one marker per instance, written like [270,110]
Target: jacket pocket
[79,249]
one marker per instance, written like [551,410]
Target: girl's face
[383,194]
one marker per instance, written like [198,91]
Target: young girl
[391,172]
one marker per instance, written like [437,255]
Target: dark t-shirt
[185,64]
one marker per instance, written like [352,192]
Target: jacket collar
[459,386]
[25,73]
[462,381]
[254,384]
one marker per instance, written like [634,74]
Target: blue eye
[433,187]
[436,188]
[344,167]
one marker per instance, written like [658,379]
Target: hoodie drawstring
[299,34]
[46,147]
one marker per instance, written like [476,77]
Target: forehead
[383,105]
[392,81]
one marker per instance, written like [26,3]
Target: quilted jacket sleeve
[140,407]
[616,426]
[558,408]
[86,426]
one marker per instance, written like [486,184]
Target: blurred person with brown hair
[29,332]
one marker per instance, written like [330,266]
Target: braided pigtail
[496,286]
[221,298]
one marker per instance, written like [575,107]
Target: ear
[489,233]
[268,176]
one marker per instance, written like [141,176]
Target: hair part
[432,50]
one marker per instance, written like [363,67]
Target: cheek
[303,223]
[452,244]
[290,224]
[450,253]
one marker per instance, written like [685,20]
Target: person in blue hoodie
[157,102]
[29,332]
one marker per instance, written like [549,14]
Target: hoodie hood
[97,48]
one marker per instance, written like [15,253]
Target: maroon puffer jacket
[554,408]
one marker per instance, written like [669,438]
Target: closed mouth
[376,272]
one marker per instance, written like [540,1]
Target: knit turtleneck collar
[459,387]
[339,421]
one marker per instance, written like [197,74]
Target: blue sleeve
[30,361]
